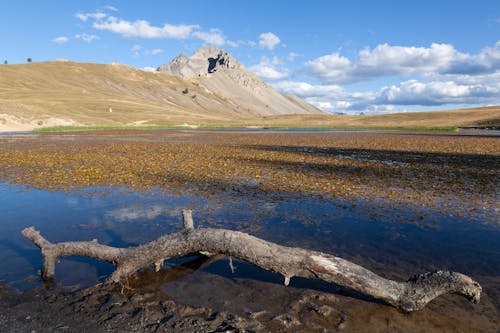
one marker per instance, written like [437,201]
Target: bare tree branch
[411,295]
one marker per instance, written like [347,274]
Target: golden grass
[68,93]
[449,118]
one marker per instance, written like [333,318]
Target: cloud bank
[143,29]
[336,98]
[425,76]
[386,60]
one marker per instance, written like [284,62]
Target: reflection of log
[287,261]
[150,280]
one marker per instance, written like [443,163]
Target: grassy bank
[54,129]
[366,128]
[98,128]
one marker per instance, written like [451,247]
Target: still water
[394,241]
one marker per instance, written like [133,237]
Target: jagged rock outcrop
[218,72]
[205,61]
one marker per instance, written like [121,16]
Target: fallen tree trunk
[411,295]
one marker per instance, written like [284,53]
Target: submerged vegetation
[421,170]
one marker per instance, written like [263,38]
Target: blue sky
[343,56]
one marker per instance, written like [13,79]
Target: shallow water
[18,133]
[395,242]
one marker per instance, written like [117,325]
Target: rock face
[206,60]
[218,72]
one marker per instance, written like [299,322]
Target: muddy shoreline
[453,175]
[46,309]
[135,309]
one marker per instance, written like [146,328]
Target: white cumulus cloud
[486,61]
[270,69]
[304,89]
[406,60]
[213,36]
[85,16]
[268,40]
[143,29]
[331,68]
[414,92]
[268,73]
[386,99]
[386,60]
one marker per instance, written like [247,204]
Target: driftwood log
[411,295]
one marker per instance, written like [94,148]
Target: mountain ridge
[218,71]
[206,60]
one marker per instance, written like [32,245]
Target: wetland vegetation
[396,203]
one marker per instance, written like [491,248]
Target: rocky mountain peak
[207,60]
[217,72]
[209,51]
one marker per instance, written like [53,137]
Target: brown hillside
[80,93]
[484,116]
[68,93]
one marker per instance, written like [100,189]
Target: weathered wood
[411,295]
[187,216]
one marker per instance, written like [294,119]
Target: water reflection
[115,217]
[395,242]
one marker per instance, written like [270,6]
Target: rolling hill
[209,88]
[70,93]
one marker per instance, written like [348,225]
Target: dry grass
[451,118]
[67,93]
[82,93]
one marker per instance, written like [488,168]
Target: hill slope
[69,93]
[471,117]
[217,71]
[57,92]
